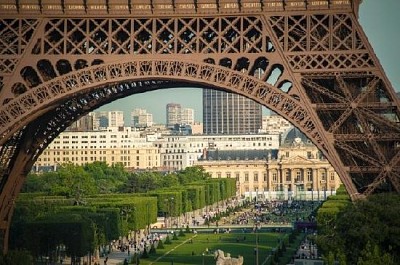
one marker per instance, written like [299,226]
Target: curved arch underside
[311,64]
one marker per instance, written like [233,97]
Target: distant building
[197,128]
[113,145]
[178,151]
[85,123]
[187,116]
[173,112]
[274,124]
[229,113]
[104,119]
[141,119]
[182,129]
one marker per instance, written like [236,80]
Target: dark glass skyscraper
[228,113]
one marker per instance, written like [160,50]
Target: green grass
[181,251]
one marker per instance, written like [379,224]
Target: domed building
[298,170]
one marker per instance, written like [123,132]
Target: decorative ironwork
[307,60]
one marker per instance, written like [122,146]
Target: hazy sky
[380,22]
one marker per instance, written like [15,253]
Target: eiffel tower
[307,60]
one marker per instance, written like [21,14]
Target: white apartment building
[141,119]
[179,152]
[173,111]
[187,116]
[113,145]
[104,119]
[85,123]
[274,124]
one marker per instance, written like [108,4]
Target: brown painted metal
[307,60]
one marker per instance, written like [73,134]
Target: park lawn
[182,251]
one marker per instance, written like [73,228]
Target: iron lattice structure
[307,60]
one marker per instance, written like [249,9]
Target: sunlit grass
[192,249]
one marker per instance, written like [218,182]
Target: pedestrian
[105,261]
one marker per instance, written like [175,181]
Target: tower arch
[60,61]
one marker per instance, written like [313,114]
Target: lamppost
[257,225]
[148,218]
[169,203]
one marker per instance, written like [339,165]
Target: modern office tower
[141,119]
[173,114]
[228,113]
[187,116]
[103,119]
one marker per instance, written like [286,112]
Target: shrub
[168,240]
[160,244]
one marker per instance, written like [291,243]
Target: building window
[255,177]
[298,176]
[274,177]
[246,176]
[228,175]
[309,175]
[288,177]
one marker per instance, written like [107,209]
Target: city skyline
[383,34]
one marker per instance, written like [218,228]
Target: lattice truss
[349,93]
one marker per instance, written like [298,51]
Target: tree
[375,219]
[372,255]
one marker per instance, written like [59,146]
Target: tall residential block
[173,112]
[141,119]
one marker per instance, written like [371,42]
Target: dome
[295,137]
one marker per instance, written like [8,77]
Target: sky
[378,18]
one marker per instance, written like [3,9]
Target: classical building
[113,145]
[295,170]
[229,113]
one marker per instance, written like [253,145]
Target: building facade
[104,119]
[274,124]
[141,119]
[297,171]
[228,113]
[187,116]
[173,112]
[179,152]
[113,145]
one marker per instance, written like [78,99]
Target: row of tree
[76,215]
[365,232]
